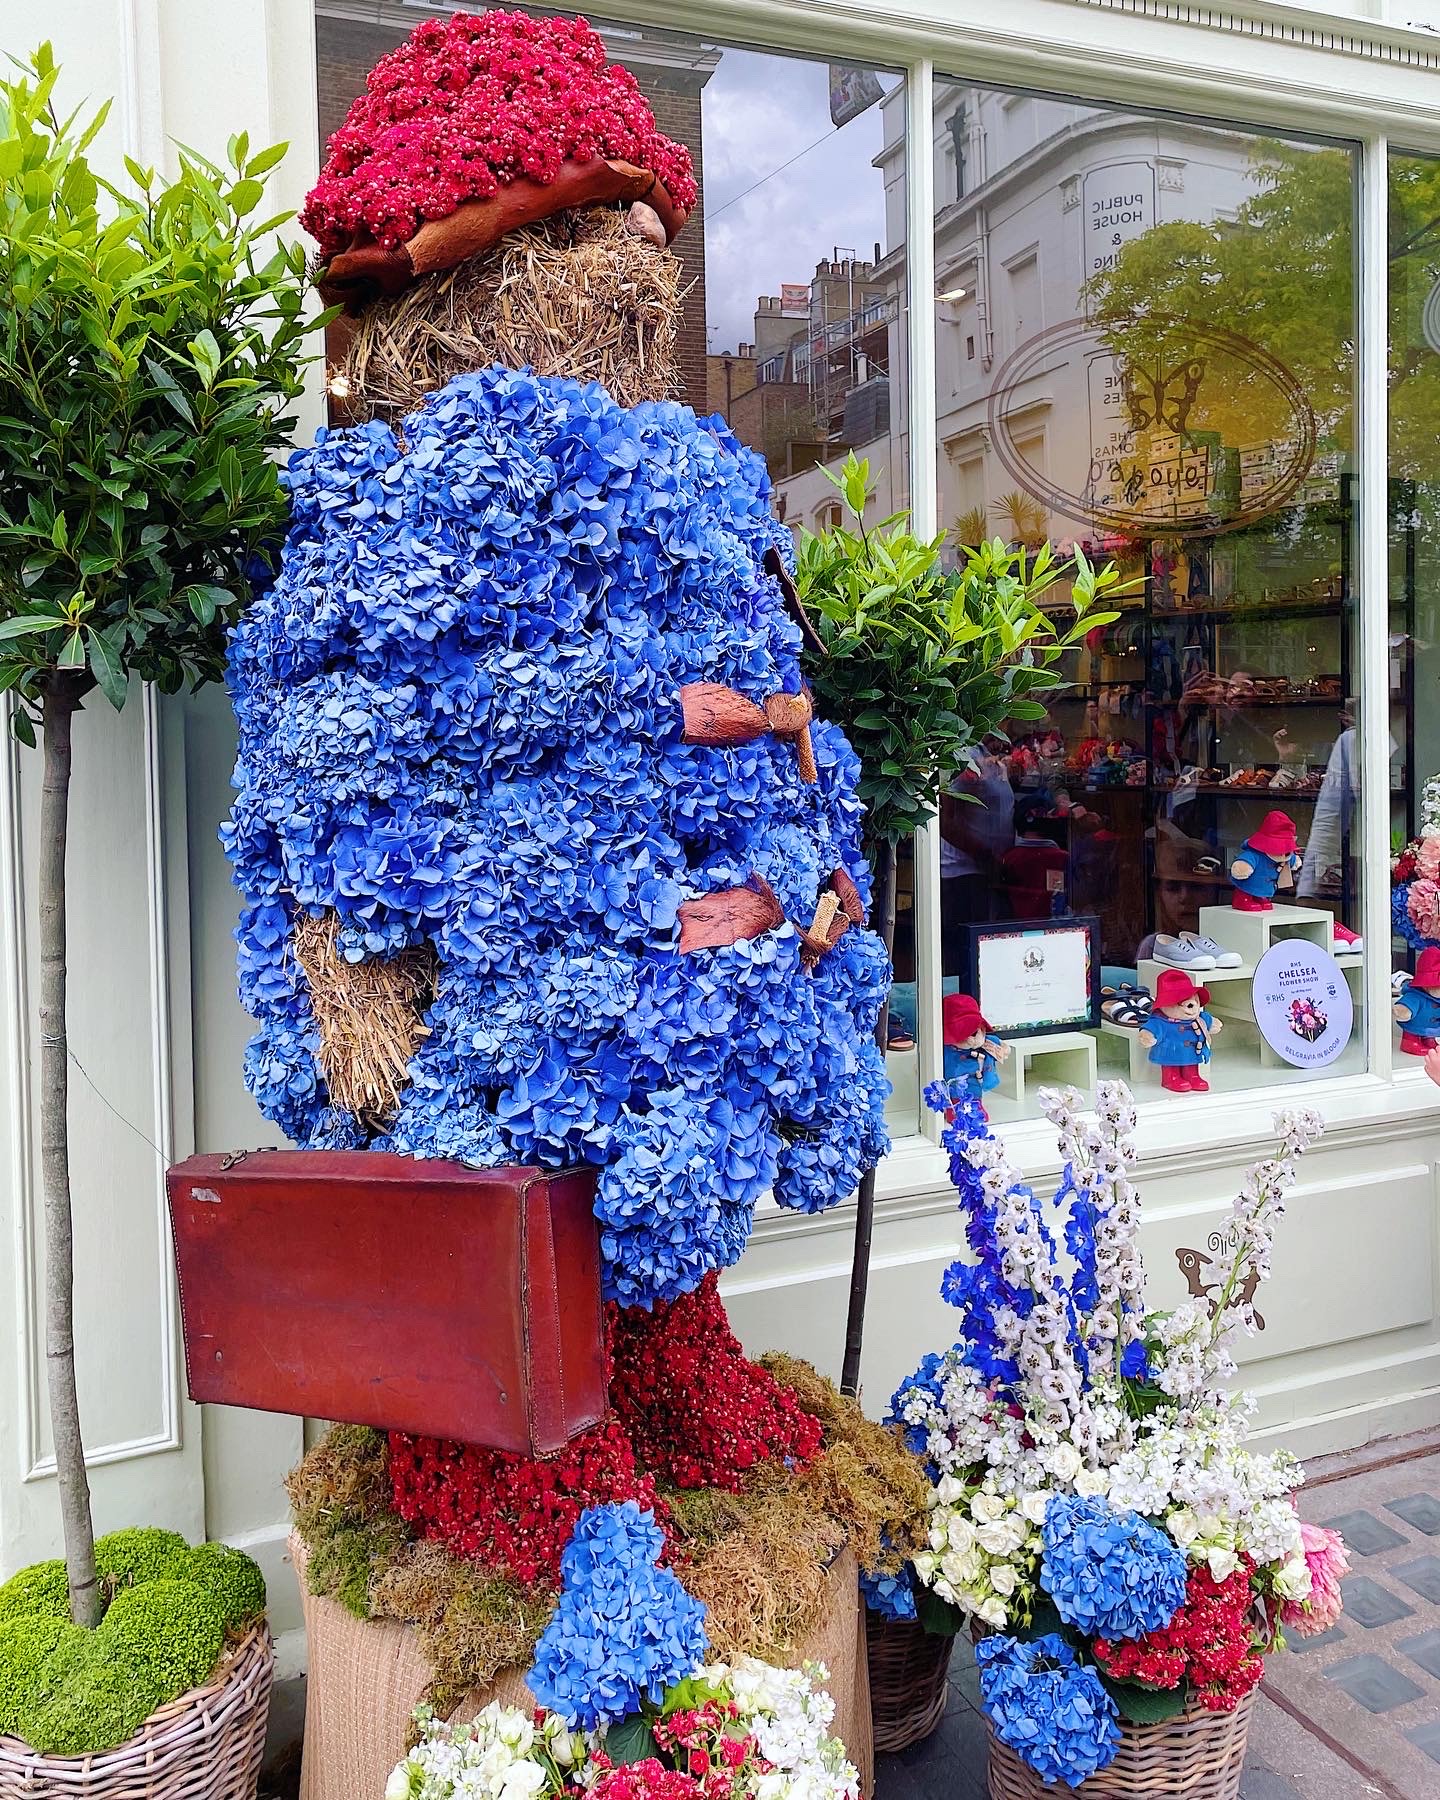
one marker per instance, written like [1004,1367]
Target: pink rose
[1423,906]
[1327,1560]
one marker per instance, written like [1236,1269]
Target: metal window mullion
[1374,594]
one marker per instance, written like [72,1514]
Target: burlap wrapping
[367,1676]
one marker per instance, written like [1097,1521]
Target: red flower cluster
[513,1512]
[698,1413]
[647,1779]
[1209,1641]
[1406,865]
[705,1744]
[705,1758]
[466,105]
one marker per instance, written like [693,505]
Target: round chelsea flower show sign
[1302,1003]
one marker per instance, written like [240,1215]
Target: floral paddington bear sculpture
[490,718]
[544,857]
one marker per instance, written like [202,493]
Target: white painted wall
[160,1053]
[1352,1349]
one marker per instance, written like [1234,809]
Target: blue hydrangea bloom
[459,724]
[624,1630]
[1111,1574]
[1047,1706]
[889,1596]
[1401,922]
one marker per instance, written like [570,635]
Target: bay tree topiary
[150,347]
[918,663]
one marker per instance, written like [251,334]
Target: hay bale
[577,294]
[370,1016]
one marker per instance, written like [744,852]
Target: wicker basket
[206,1745]
[1197,1755]
[908,1670]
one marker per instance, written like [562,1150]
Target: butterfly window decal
[1161,398]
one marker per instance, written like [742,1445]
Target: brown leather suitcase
[414,1296]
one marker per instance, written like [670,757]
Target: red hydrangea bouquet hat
[473,126]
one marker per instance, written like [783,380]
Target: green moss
[26,1647]
[230,1577]
[42,1588]
[173,1630]
[69,1692]
[345,1562]
[89,1695]
[143,1553]
[342,1483]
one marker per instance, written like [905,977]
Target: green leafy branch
[921,662]
[150,349]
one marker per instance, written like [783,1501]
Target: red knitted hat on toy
[960,1015]
[472,126]
[1427,968]
[1175,987]
[1276,836]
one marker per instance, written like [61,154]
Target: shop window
[1165,398]
[1414,567]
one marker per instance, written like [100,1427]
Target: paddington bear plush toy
[1178,1032]
[1417,1005]
[1267,863]
[972,1052]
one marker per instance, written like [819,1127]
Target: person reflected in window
[1324,879]
[977,827]
[1217,726]
[1035,871]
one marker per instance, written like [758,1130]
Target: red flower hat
[473,126]
[1276,836]
[1175,987]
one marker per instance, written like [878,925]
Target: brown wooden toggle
[724,917]
[717,715]
[837,910]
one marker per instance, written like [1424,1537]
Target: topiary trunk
[59,709]
[885,876]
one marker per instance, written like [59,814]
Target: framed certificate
[1029,978]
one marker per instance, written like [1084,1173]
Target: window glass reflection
[1146,348]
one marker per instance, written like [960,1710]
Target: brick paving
[1352,1714]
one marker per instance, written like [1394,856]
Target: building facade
[1261,454]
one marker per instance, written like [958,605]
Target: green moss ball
[42,1588]
[91,1695]
[143,1553]
[173,1630]
[26,1647]
[228,1576]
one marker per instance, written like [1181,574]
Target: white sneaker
[1224,959]
[1179,954]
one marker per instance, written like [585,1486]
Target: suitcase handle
[233,1158]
